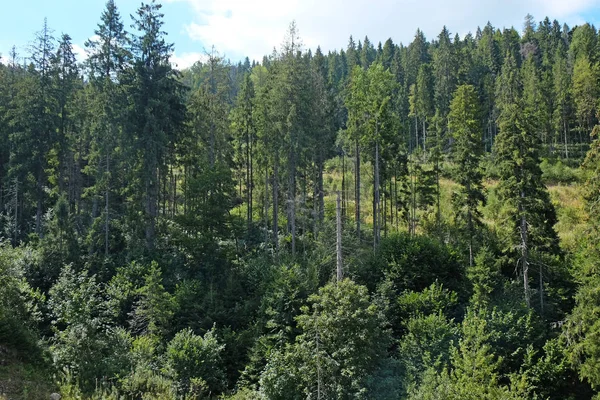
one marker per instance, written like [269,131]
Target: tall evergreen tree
[529,216]
[464,125]
[108,59]
[157,113]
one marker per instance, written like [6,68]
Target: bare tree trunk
[38,214]
[106,208]
[291,203]
[524,252]
[424,134]
[251,182]
[376,232]
[339,238]
[565,129]
[416,133]
[344,204]
[357,202]
[321,191]
[248,183]
[151,207]
[266,209]
[541,290]
[276,201]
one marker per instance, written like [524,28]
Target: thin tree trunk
[106,207]
[338,214]
[357,188]
[276,201]
[321,191]
[251,182]
[38,214]
[376,232]
[541,290]
[566,138]
[344,205]
[266,209]
[248,183]
[424,135]
[524,252]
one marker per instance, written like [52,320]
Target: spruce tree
[464,126]
[529,215]
[156,115]
[108,60]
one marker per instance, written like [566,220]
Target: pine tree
[464,126]
[244,125]
[444,72]
[585,95]
[157,113]
[424,104]
[66,84]
[529,215]
[33,123]
[562,96]
[108,60]
[370,113]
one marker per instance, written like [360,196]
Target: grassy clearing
[23,381]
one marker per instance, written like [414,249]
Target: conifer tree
[444,72]
[244,124]
[464,126]
[34,122]
[157,112]
[108,59]
[529,216]
[562,96]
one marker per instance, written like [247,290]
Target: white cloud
[80,53]
[240,27]
[185,60]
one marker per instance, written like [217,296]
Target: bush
[195,362]
[558,172]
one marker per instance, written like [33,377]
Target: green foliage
[426,345]
[558,172]
[484,276]
[194,362]
[341,344]
[464,125]
[20,305]
[432,300]
[157,210]
[86,345]
[412,263]
[155,306]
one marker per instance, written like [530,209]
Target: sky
[240,28]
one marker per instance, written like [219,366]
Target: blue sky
[254,27]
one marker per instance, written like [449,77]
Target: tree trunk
[357,188]
[344,205]
[248,184]
[424,134]
[251,183]
[38,214]
[338,214]
[276,201]
[321,191]
[266,209]
[376,232]
[566,138]
[524,251]
[541,290]
[106,203]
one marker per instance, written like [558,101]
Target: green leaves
[341,344]
[194,361]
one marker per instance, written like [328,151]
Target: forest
[384,221]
